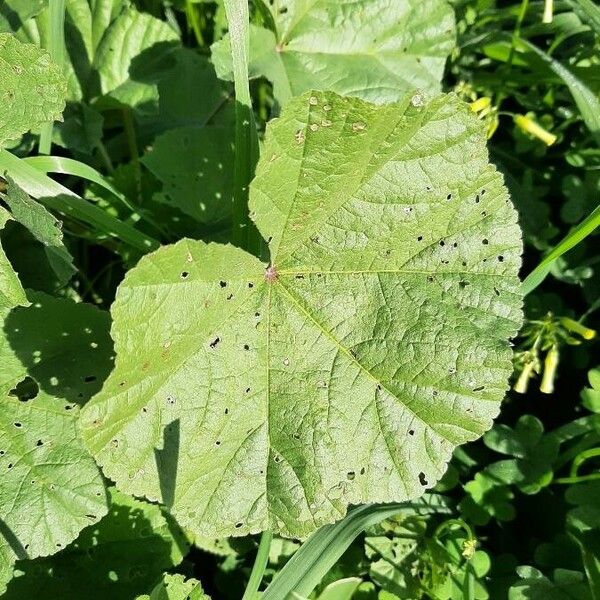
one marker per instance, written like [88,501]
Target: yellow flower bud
[527,125]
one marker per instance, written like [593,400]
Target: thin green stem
[56,48]
[516,36]
[194,22]
[260,564]
[244,233]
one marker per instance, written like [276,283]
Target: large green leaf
[113,50]
[374,49]
[195,166]
[176,587]
[120,557]
[11,290]
[130,56]
[32,88]
[247,397]
[51,489]
[64,346]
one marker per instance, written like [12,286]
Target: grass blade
[258,570]
[576,235]
[588,11]
[56,48]
[56,197]
[587,103]
[244,233]
[322,549]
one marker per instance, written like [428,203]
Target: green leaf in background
[51,489]
[343,589]
[11,291]
[64,346]
[130,57]
[176,587]
[32,215]
[564,585]
[587,102]
[113,50]
[32,88]
[374,49]
[583,525]
[16,12]
[195,166]
[119,558]
[590,396]
[531,469]
[43,227]
[393,282]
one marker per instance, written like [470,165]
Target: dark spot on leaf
[250,285]
[463,284]
[226,411]
[477,199]
[419,238]
[39,443]
[89,378]
[218,443]
[501,258]
[246,347]
[478,389]
[238,525]
[449,197]
[496,291]
[411,432]
[223,284]
[214,343]
[17,424]
[351,475]
[485,241]
[184,274]
[362,471]
[442,243]
[230,297]
[422,479]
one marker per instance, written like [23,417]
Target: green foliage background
[147,146]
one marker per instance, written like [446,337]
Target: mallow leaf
[50,487]
[32,88]
[176,587]
[374,49]
[195,166]
[64,346]
[11,291]
[119,557]
[249,396]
